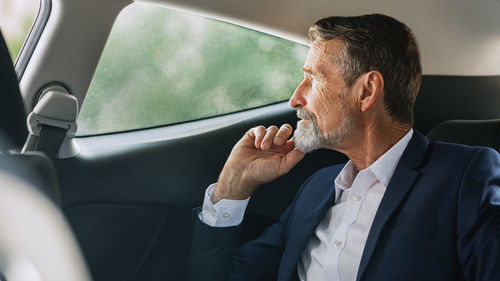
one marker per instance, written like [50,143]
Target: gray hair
[382,43]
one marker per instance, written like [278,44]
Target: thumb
[292,158]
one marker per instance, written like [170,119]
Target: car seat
[36,243]
[37,168]
[469,132]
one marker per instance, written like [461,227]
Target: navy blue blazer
[439,219]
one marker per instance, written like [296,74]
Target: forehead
[322,54]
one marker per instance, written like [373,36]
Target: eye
[314,80]
[308,77]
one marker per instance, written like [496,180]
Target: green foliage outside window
[162,67]
[16,19]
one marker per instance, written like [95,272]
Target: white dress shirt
[334,251]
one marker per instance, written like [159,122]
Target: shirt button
[337,243]
[226,215]
[356,197]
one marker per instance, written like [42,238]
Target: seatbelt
[50,140]
[52,124]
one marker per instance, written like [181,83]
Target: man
[400,209]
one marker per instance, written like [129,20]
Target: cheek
[321,97]
[325,107]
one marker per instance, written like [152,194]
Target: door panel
[104,230]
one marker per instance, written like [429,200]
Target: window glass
[16,19]
[161,67]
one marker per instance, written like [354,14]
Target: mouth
[304,115]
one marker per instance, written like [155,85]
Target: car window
[16,19]
[161,67]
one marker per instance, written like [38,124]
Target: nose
[298,98]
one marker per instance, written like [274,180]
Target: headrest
[35,168]
[12,114]
[469,132]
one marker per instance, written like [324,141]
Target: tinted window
[162,67]
[16,19]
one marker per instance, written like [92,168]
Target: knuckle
[272,128]
[259,129]
[285,130]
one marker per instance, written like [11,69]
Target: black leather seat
[35,167]
[12,114]
[469,132]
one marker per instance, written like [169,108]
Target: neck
[367,145]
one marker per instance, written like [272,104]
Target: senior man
[400,209]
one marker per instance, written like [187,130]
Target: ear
[372,86]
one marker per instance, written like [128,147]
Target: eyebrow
[307,70]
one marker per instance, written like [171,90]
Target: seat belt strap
[50,140]
[52,124]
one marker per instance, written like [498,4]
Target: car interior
[128,196]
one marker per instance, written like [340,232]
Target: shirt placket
[354,199]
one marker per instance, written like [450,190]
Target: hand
[261,156]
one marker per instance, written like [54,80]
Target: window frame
[36,30]
[218,117]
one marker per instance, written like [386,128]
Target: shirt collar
[382,168]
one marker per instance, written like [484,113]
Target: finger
[258,133]
[267,142]
[290,144]
[292,158]
[282,135]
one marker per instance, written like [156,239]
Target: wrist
[232,189]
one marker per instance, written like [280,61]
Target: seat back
[37,168]
[469,132]
[36,242]
[12,114]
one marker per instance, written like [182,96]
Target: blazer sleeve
[478,217]
[218,254]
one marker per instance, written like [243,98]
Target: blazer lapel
[401,182]
[301,236]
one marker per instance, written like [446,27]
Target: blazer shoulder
[448,159]
[454,150]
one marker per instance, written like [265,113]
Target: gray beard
[308,137]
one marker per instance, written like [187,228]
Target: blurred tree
[16,19]
[162,67]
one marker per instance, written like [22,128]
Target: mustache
[303,113]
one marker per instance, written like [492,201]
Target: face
[322,100]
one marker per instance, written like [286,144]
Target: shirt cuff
[224,213]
